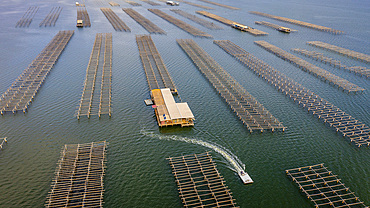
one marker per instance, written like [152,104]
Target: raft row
[21,93]
[300,23]
[184,26]
[147,24]
[150,2]
[350,128]
[27,17]
[84,16]
[96,96]
[306,66]
[221,5]
[115,21]
[200,184]
[246,107]
[197,5]
[323,188]
[52,17]
[205,23]
[154,67]
[358,70]
[79,176]
[133,3]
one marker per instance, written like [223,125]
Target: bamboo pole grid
[348,126]
[228,22]
[133,3]
[2,141]
[112,3]
[308,67]
[155,70]
[204,23]
[196,5]
[99,71]
[220,5]
[200,184]
[358,70]
[84,16]
[144,22]
[115,21]
[246,107]
[52,17]
[182,25]
[27,17]
[323,188]
[300,23]
[21,93]
[343,51]
[269,24]
[150,2]
[79,176]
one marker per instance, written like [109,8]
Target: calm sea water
[138,174]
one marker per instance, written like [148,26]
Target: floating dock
[220,5]
[275,26]
[246,107]
[26,19]
[2,142]
[300,23]
[133,3]
[323,188]
[182,25]
[115,21]
[200,184]
[52,17]
[84,16]
[358,70]
[21,93]
[79,176]
[306,66]
[205,23]
[343,51]
[147,24]
[230,22]
[348,126]
[96,97]
[150,2]
[113,4]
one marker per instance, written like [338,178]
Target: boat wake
[236,164]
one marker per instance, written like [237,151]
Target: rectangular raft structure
[246,107]
[113,4]
[275,26]
[144,22]
[133,3]
[324,188]
[342,122]
[27,17]
[220,5]
[96,98]
[83,16]
[228,22]
[200,184]
[52,17]
[197,5]
[343,51]
[152,3]
[204,23]
[20,94]
[308,67]
[79,176]
[114,20]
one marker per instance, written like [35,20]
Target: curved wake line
[230,157]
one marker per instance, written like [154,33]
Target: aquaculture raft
[351,128]
[79,176]
[205,23]
[20,94]
[246,107]
[275,26]
[132,3]
[84,16]
[26,19]
[96,97]
[221,5]
[147,24]
[323,188]
[115,21]
[184,26]
[297,22]
[306,66]
[343,51]
[196,5]
[52,17]
[150,2]
[200,184]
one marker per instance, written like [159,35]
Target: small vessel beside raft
[284,29]
[245,177]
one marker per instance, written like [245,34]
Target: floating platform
[2,142]
[300,23]
[358,70]
[220,5]
[324,188]
[230,23]
[21,93]
[180,24]
[275,26]
[27,18]
[96,98]
[52,17]
[306,66]
[246,107]
[84,16]
[79,176]
[204,23]
[200,184]
[343,51]
[348,126]
[144,22]
[115,21]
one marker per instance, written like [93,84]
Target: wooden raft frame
[84,16]
[114,20]
[52,17]
[27,17]
[144,22]
[323,188]
[200,184]
[204,23]
[79,176]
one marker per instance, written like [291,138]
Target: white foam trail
[230,157]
